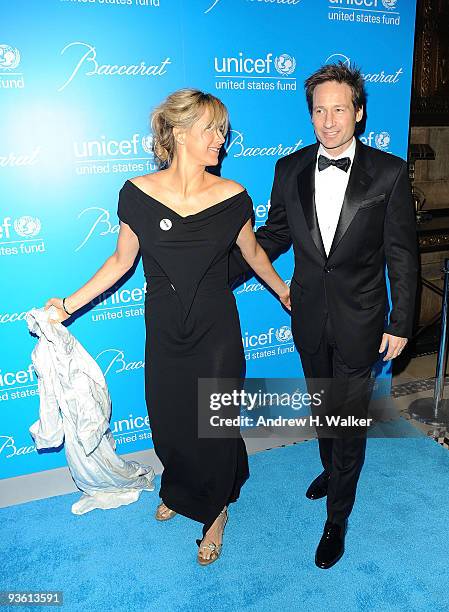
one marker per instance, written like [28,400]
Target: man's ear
[359,115]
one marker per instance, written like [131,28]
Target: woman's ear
[179,136]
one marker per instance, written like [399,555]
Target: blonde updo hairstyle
[181,110]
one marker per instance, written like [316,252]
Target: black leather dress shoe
[318,488]
[331,546]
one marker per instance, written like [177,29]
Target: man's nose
[329,119]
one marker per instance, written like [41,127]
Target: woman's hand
[61,314]
[285,298]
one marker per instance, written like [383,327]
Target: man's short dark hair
[341,73]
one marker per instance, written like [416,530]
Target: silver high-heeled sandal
[215,549]
[163,513]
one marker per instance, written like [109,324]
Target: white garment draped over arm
[75,407]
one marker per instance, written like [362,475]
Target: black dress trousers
[347,392]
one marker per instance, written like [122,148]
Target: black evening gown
[192,331]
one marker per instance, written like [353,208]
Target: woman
[184,221]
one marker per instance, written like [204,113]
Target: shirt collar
[349,152]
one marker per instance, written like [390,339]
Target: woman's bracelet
[63,305]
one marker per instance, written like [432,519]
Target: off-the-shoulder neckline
[208,208]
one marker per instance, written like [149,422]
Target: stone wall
[432,177]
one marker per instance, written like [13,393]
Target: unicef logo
[147,142]
[27,227]
[285,64]
[9,57]
[382,140]
[284,334]
[390,4]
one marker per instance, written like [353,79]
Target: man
[348,210]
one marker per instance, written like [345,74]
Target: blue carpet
[396,547]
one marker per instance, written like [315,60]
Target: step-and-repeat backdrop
[78,79]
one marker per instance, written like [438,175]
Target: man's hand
[395,345]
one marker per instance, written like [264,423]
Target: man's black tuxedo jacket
[376,225]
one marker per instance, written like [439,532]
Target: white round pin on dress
[165,224]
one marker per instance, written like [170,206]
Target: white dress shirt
[330,188]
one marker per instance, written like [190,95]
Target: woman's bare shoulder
[147,180]
[227,188]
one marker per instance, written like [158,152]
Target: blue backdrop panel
[78,79]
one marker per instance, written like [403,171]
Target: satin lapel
[359,181]
[306,188]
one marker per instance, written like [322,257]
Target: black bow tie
[343,163]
